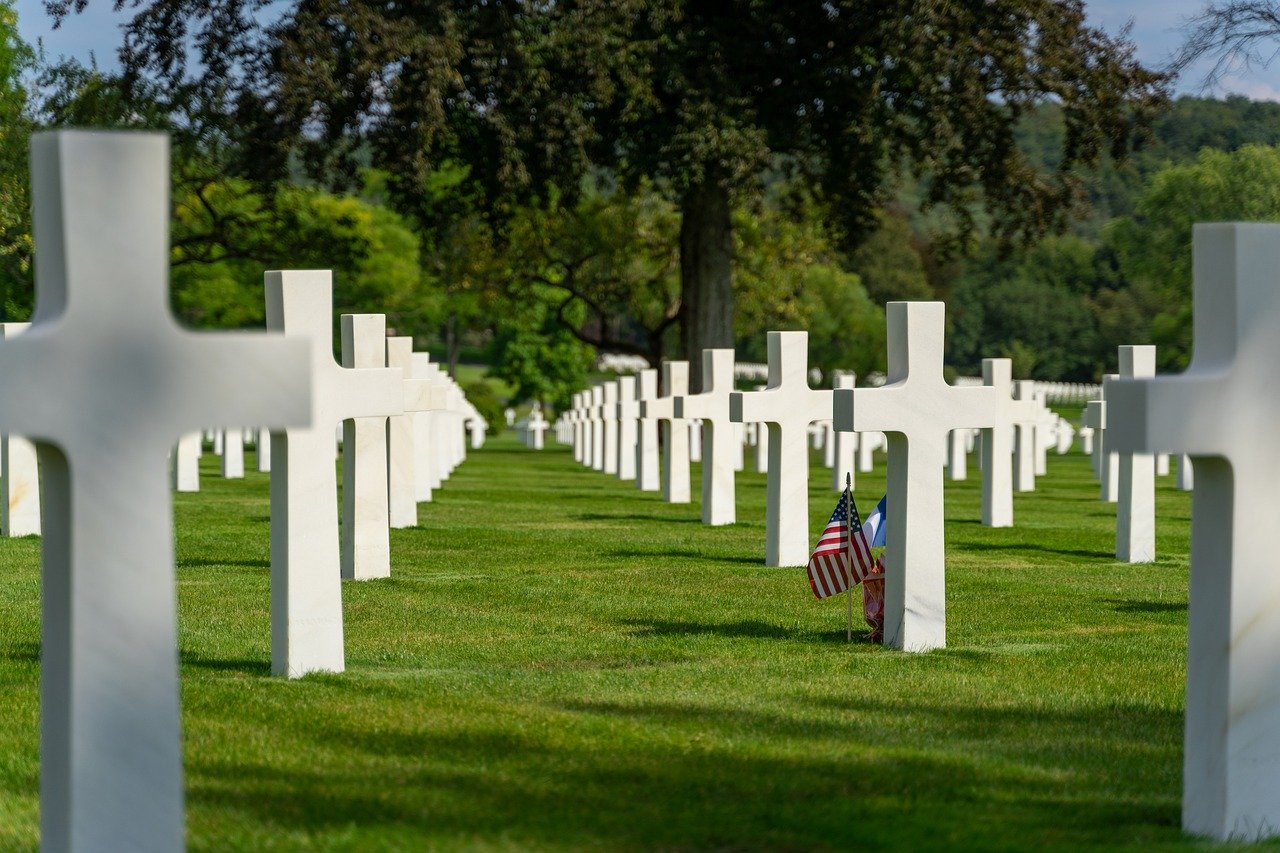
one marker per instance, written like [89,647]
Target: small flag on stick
[842,557]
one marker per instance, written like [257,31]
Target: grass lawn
[561,661]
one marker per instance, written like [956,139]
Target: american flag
[829,565]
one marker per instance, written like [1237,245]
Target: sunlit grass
[561,661]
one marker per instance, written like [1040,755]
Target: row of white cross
[104,382]
[1222,412]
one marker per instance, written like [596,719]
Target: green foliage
[482,396]
[790,276]
[536,351]
[1154,247]
[16,60]
[226,234]
[1033,307]
[889,264]
[561,662]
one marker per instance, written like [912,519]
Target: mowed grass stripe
[562,662]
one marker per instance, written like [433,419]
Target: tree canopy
[700,96]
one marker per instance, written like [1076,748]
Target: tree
[699,95]
[1154,247]
[16,59]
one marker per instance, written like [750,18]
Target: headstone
[1162,464]
[233,454]
[957,458]
[1025,416]
[695,440]
[262,449]
[675,433]
[787,405]
[1186,479]
[843,444]
[917,408]
[718,436]
[578,419]
[1086,443]
[427,430]
[628,426]
[868,444]
[366,542]
[537,429]
[648,477]
[609,418]
[997,440]
[186,463]
[19,472]
[1223,411]
[596,415]
[306,593]
[1136,486]
[129,382]
[1107,463]
[402,458]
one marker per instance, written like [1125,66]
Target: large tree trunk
[706,274]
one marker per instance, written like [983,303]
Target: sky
[1156,31]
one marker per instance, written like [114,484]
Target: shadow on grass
[22,650]
[692,555]
[1022,546]
[1121,605]
[250,562]
[244,666]
[825,774]
[604,516]
[744,629]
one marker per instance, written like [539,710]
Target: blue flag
[873,527]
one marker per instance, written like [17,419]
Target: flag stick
[848,517]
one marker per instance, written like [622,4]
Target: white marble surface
[608,415]
[648,471]
[788,406]
[1223,412]
[675,432]
[129,382]
[719,505]
[186,463]
[19,472]
[996,460]
[917,409]
[366,541]
[1025,420]
[1136,481]
[844,445]
[306,594]
[233,454]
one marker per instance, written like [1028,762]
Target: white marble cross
[1106,462]
[1223,411]
[306,592]
[537,429]
[917,408]
[1025,418]
[1136,480]
[648,478]
[128,381]
[262,449]
[578,418]
[997,461]
[596,420]
[719,504]
[675,433]
[233,454]
[843,445]
[608,415]
[186,463]
[628,426]
[427,429]
[420,396]
[366,518]
[957,455]
[19,472]
[787,405]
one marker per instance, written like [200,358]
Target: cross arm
[1190,414]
